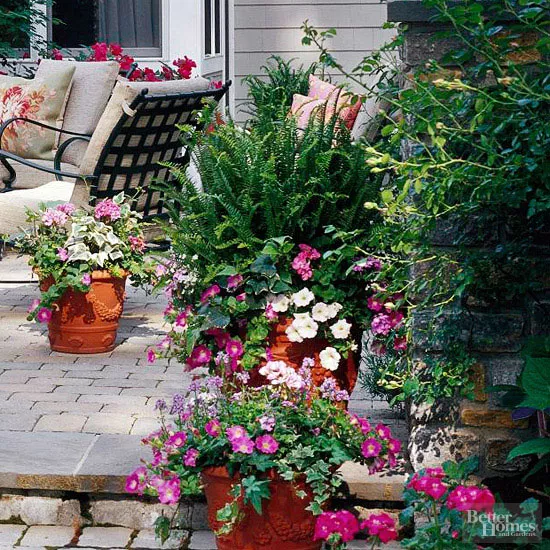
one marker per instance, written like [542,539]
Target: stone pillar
[453,429]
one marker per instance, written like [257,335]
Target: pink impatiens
[464,498]
[342,523]
[108,210]
[381,526]
[302,262]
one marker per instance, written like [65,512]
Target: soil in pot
[87,322]
[285,524]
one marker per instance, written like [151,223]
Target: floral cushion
[42,100]
[303,107]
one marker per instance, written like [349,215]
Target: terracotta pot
[285,524]
[293,353]
[87,322]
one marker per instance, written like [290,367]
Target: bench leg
[8,182]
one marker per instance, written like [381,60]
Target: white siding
[267,27]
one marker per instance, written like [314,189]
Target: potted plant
[290,303]
[259,452]
[82,259]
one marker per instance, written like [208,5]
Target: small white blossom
[330,359]
[293,335]
[334,309]
[320,312]
[305,325]
[303,298]
[280,303]
[341,329]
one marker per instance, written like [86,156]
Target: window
[134,24]
[212,27]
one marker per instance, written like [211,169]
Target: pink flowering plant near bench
[288,428]
[67,244]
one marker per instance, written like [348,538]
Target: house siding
[269,27]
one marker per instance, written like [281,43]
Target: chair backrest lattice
[145,136]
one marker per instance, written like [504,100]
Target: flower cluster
[302,262]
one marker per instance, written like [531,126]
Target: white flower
[280,303]
[320,312]
[274,370]
[293,335]
[334,309]
[305,325]
[303,298]
[330,359]
[341,329]
[354,347]
[293,380]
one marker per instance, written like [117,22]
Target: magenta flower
[464,498]
[107,209]
[394,446]
[169,491]
[136,243]
[200,356]
[177,440]
[219,335]
[370,448]
[244,445]
[136,481]
[210,292]
[267,444]
[33,305]
[86,279]
[190,458]
[44,315]
[270,313]
[375,304]
[234,348]
[213,428]
[151,356]
[381,324]
[396,319]
[383,431]
[400,343]
[241,297]
[62,254]
[363,424]
[234,281]
[236,432]
[343,523]
[181,319]
[67,208]
[431,486]
[381,526]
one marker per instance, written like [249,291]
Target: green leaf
[254,491]
[533,446]
[264,265]
[535,380]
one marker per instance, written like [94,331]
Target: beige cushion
[28,178]
[14,203]
[42,99]
[93,84]
[123,95]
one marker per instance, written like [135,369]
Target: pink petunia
[209,293]
[267,444]
[190,458]
[44,315]
[244,445]
[236,432]
[213,428]
[177,440]
[151,356]
[170,491]
[234,348]
[371,448]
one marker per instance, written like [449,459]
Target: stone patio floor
[74,423]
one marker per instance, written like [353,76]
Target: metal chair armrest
[61,149]
[36,123]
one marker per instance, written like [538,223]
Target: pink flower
[181,319]
[243,445]
[394,446]
[210,292]
[267,423]
[165,343]
[381,526]
[309,252]
[86,279]
[62,254]
[219,335]
[67,208]
[136,243]
[170,491]
[381,324]
[370,448]
[431,486]
[213,428]
[100,51]
[464,498]
[375,304]
[234,348]
[33,305]
[234,281]
[435,472]
[185,67]
[107,209]
[151,356]
[136,481]
[236,432]
[190,458]
[266,444]
[177,440]
[44,315]
[54,218]
[363,423]
[343,523]
[383,431]
[241,297]
[201,355]
[57,54]
[400,343]
[396,319]
[115,49]
[160,270]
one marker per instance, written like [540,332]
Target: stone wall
[451,429]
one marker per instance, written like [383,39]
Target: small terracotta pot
[293,353]
[285,524]
[87,322]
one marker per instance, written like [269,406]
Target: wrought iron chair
[146,134]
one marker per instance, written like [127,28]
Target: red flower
[100,50]
[216,84]
[115,49]
[185,66]
[136,75]
[167,72]
[126,62]
[149,75]
[57,55]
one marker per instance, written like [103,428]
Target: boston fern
[260,184]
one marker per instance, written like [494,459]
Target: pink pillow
[303,107]
[319,89]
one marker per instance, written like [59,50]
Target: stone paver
[10,534]
[146,540]
[105,537]
[61,423]
[48,536]
[203,540]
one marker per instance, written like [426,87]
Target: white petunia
[293,335]
[320,312]
[334,309]
[305,325]
[330,359]
[303,298]
[280,303]
[274,370]
[341,329]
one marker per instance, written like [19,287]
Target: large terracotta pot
[285,524]
[293,353]
[87,322]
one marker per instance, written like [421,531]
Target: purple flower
[169,491]
[210,292]
[178,404]
[236,432]
[107,209]
[267,423]
[86,279]
[266,444]
[370,448]
[151,356]
[62,254]
[190,458]
[234,281]
[44,315]
[243,445]
[160,405]
[381,324]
